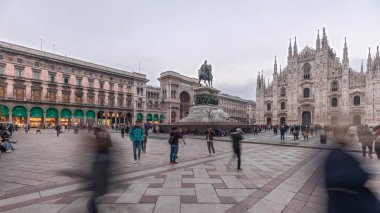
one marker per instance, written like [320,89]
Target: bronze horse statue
[205,74]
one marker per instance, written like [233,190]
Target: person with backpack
[175,135]
[136,134]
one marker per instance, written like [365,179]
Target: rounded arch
[149,117]
[78,113]
[155,117]
[334,86]
[139,117]
[306,118]
[19,111]
[306,71]
[162,118]
[36,112]
[65,113]
[51,113]
[357,100]
[185,101]
[4,111]
[90,114]
[334,102]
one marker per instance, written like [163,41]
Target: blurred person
[236,138]
[282,132]
[366,139]
[345,181]
[306,134]
[146,132]
[377,143]
[136,134]
[209,138]
[175,136]
[58,129]
[122,130]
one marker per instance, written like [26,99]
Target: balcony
[301,99]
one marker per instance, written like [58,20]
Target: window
[91,84]
[90,99]
[78,99]
[66,80]
[52,67]
[19,93]
[139,103]
[120,87]
[129,103]
[1,57]
[269,107]
[101,84]
[283,92]
[101,100]
[111,101]
[79,82]
[52,96]
[2,91]
[156,104]
[119,102]
[19,72]
[138,90]
[112,86]
[334,86]
[37,94]
[36,75]
[52,77]
[37,64]
[19,61]
[2,69]
[282,105]
[334,102]
[357,100]
[66,98]
[306,71]
[306,93]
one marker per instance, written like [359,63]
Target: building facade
[178,96]
[40,88]
[316,87]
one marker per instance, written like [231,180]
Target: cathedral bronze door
[269,121]
[306,118]
[282,120]
[357,120]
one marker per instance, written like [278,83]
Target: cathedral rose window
[306,71]
[334,86]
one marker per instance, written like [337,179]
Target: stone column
[44,120]
[84,120]
[10,116]
[59,119]
[28,117]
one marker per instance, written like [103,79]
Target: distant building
[178,96]
[316,87]
[40,88]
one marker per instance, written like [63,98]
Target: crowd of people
[6,132]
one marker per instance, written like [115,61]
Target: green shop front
[51,117]
[19,115]
[36,116]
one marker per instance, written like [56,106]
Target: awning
[4,111]
[36,112]
[90,114]
[19,111]
[65,113]
[78,113]
[52,113]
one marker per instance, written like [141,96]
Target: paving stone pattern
[274,178]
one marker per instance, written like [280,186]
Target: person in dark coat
[236,138]
[282,132]
[209,138]
[175,135]
[345,182]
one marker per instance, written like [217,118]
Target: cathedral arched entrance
[306,118]
[269,121]
[357,120]
[184,98]
[282,120]
[334,120]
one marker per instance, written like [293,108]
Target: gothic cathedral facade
[316,87]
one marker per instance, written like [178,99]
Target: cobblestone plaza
[285,178]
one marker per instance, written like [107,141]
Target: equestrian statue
[205,74]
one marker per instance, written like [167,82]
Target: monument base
[206,113]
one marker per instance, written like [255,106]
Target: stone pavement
[274,178]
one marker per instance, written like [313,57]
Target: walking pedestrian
[26,128]
[136,134]
[282,132]
[306,134]
[366,139]
[345,181]
[145,139]
[209,138]
[58,129]
[236,138]
[175,135]
[122,129]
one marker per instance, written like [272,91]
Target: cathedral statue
[205,74]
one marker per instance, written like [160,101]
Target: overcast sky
[237,37]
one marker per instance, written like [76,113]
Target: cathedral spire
[345,52]
[325,42]
[377,53]
[258,80]
[275,65]
[369,60]
[290,55]
[295,51]
[318,45]
[361,68]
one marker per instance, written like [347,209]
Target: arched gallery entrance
[184,98]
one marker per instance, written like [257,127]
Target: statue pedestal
[206,90]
